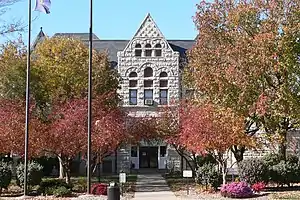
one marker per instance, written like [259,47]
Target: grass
[79,184]
[177,182]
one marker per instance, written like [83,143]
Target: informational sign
[187,173]
[122,178]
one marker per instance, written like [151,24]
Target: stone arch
[163,69]
[131,69]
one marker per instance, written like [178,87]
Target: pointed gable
[39,38]
[148,29]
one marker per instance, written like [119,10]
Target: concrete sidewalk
[152,187]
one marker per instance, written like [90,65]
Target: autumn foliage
[246,58]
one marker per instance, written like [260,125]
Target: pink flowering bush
[99,189]
[258,187]
[236,190]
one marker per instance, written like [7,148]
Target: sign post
[187,174]
[122,180]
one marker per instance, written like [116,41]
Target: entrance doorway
[148,157]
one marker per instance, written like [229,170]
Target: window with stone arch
[133,79]
[158,50]
[148,72]
[133,88]
[138,50]
[148,50]
[163,90]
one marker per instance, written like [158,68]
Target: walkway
[152,187]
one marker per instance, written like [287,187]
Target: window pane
[163,151]
[163,74]
[134,151]
[133,74]
[138,52]
[148,83]
[148,72]
[163,93]
[132,83]
[148,52]
[158,52]
[133,97]
[163,97]
[148,94]
[163,83]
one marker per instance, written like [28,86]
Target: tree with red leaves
[12,118]
[67,133]
[207,128]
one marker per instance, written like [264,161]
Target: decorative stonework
[149,29]
[168,62]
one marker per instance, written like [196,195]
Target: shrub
[253,170]
[49,185]
[34,176]
[5,175]
[271,159]
[208,175]
[62,192]
[236,190]
[258,187]
[99,189]
[286,173]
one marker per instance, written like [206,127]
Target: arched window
[163,91]
[138,50]
[158,50]
[148,72]
[133,74]
[163,74]
[148,50]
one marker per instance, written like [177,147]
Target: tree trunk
[61,168]
[224,175]
[282,146]
[67,168]
[238,152]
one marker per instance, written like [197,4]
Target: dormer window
[148,50]
[138,50]
[158,50]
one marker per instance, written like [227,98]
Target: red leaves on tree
[12,128]
[208,128]
[68,131]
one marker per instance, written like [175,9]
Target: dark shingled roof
[80,36]
[113,46]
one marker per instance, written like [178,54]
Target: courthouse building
[150,69]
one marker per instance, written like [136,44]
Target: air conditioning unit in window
[149,102]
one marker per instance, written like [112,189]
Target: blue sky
[113,19]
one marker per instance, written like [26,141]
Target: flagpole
[27,100]
[90,99]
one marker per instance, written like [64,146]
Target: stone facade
[148,49]
[168,62]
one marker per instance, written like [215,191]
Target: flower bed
[236,190]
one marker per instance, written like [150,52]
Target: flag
[43,6]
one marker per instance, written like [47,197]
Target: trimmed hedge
[48,186]
[208,175]
[5,175]
[34,176]
[253,170]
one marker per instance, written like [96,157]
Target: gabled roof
[113,46]
[80,36]
[40,37]
[148,28]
